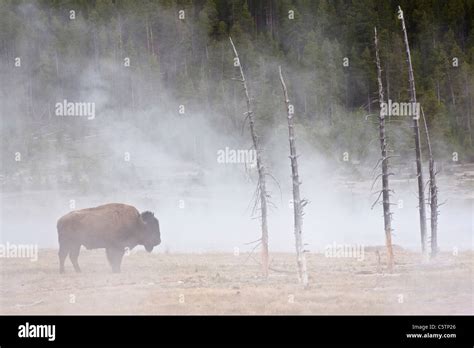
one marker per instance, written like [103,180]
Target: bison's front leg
[115,255]
[74,255]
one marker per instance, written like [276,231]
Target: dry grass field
[163,283]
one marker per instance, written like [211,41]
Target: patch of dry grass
[226,284]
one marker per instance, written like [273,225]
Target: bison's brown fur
[112,226]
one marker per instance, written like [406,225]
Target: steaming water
[220,219]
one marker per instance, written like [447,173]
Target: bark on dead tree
[298,203]
[387,216]
[416,129]
[260,167]
[433,194]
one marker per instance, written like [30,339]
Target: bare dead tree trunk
[152,45]
[416,129]
[147,35]
[369,102]
[453,97]
[467,91]
[433,194]
[438,96]
[120,43]
[260,167]
[298,203]
[387,216]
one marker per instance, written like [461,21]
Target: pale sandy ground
[229,284]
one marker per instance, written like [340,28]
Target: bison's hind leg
[74,255]
[114,255]
[63,252]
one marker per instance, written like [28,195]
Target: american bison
[111,226]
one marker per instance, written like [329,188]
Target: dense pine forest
[172,60]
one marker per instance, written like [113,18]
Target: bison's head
[151,235]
